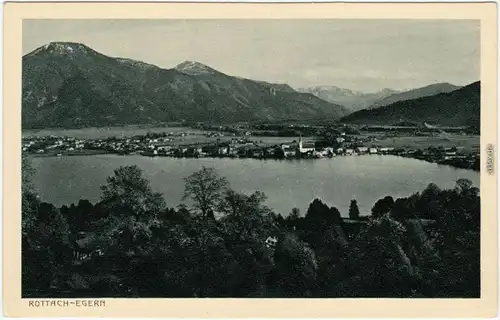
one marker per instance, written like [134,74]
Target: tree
[29,198]
[279,153]
[382,206]
[380,266]
[320,216]
[403,209]
[354,210]
[246,215]
[128,193]
[293,220]
[44,248]
[466,188]
[296,267]
[429,204]
[36,251]
[27,174]
[204,188]
[246,225]
[81,217]
[295,214]
[134,211]
[458,242]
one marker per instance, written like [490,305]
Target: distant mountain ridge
[460,107]
[426,91]
[352,100]
[68,84]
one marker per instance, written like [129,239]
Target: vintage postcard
[250,160]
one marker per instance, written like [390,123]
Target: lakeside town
[216,158]
[256,144]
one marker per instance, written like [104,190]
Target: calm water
[288,184]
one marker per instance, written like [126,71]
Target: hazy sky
[364,55]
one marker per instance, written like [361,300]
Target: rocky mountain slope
[457,108]
[71,85]
[426,91]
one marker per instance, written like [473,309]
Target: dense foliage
[221,244]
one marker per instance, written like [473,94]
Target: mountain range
[356,100]
[352,100]
[71,85]
[460,107]
[426,91]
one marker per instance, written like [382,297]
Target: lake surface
[287,183]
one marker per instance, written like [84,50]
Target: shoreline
[101,152]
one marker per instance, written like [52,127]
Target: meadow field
[467,143]
[107,132]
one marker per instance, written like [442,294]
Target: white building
[288,150]
[305,147]
[271,242]
[385,150]
[328,151]
[362,149]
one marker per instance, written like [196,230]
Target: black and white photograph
[251,158]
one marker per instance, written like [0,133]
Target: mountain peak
[388,91]
[62,48]
[71,85]
[443,85]
[194,68]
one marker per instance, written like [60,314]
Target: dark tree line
[216,245]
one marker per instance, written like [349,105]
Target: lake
[287,183]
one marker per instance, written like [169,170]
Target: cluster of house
[310,149]
[164,146]
[212,134]
[41,145]
[159,144]
[237,147]
[447,156]
[248,149]
[46,144]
